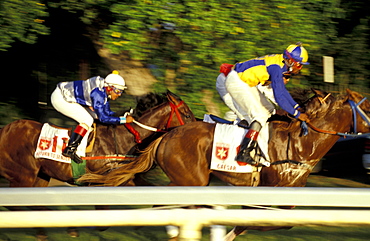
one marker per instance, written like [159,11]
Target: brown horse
[18,142]
[184,154]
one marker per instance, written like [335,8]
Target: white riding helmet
[114,79]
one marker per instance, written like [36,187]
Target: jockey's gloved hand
[129,119]
[126,118]
[303,117]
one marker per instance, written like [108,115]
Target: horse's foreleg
[101,207]
[234,233]
[172,232]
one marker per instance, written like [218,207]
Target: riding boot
[74,142]
[248,144]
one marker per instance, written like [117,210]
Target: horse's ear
[172,97]
[348,96]
[318,92]
[352,94]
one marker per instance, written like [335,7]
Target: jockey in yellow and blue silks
[272,70]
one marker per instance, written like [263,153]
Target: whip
[145,126]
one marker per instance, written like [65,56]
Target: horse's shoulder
[195,127]
[288,125]
[202,124]
[26,123]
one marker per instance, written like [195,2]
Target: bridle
[355,109]
[175,110]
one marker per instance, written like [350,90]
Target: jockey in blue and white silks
[273,71]
[75,98]
[91,93]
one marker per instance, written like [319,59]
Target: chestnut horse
[18,142]
[184,154]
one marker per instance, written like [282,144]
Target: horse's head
[318,104]
[360,106]
[353,105]
[168,111]
[180,111]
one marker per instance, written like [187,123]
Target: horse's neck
[288,143]
[156,118]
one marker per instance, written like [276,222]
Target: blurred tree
[21,20]
[188,40]
[185,41]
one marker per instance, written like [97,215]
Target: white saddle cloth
[53,140]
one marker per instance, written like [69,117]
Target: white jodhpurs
[249,99]
[226,97]
[71,109]
[252,102]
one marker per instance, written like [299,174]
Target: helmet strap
[290,65]
[108,89]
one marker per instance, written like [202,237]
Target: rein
[145,126]
[174,109]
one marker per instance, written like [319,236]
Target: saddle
[243,123]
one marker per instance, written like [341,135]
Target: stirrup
[76,158]
[246,158]
[69,152]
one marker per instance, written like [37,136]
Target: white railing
[190,221]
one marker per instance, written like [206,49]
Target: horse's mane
[148,101]
[304,97]
[145,102]
[301,96]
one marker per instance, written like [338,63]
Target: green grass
[159,233]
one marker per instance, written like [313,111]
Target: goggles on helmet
[117,90]
[293,63]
